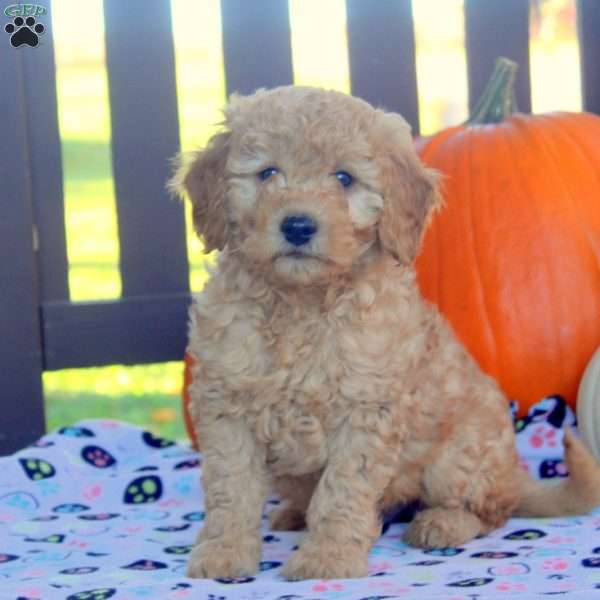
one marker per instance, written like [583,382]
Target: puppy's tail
[577,495]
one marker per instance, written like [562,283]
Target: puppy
[321,372]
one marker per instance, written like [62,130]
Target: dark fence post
[381,48]
[22,416]
[140,61]
[588,21]
[256,44]
[496,28]
[45,157]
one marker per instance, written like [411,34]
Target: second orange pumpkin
[513,260]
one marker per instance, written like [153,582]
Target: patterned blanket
[104,510]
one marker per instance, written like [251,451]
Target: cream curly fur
[323,373]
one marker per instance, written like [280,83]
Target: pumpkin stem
[498,100]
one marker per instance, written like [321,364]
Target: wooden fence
[40,327]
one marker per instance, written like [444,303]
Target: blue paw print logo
[76,432]
[70,509]
[145,565]
[24,32]
[156,442]
[143,490]
[55,538]
[37,469]
[187,586]
[444,551]
[228,581]
[193,517]
[191,463]
[79,571]
[525,535]
[267,565]
[473,582]
[178,549]
[172,528]
[4,558]
[97,457]
[591,563]
[553,468]
[147,468]
[99,517]
[97,594]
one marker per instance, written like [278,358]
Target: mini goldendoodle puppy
[321,370]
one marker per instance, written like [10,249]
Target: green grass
[147,395]
[157,412]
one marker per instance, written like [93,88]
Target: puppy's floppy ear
[410,191]
[201,175]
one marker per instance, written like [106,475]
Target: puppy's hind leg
[441,527]
[295,494]
[468,491]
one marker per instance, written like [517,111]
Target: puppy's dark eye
[344,178]
[268,172]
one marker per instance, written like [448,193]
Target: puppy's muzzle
[298,229]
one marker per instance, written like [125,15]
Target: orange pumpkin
[513,260]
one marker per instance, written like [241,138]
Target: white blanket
[105,510]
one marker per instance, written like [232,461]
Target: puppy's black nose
[298,229]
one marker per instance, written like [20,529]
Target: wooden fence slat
[256,44]
[588,21]
[496,28]
[145,135]
[22,417]
[141,329]
[47,173]
[381,46]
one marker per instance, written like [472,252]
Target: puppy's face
[305,184]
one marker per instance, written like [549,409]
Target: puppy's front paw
[326,561]
[224,559]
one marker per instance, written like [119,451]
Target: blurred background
[149,395]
